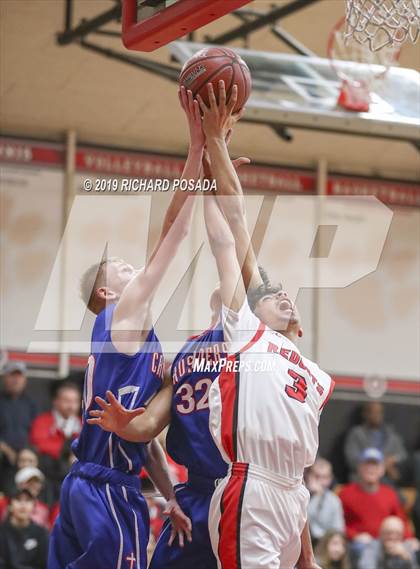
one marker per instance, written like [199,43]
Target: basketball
[213,64]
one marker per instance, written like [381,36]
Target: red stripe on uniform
[254,339]
[229,550]
[332,385]
[228,393]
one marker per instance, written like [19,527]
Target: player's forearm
[227,181]
[141,290]
[223,237]
[230,199]
[193,164]
[140,429]
[146,427]
[157,468]
[192,171]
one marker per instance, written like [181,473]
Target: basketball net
[381,23]
[358,80]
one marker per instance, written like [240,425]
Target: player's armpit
[128,334]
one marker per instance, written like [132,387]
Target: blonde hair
[92,279]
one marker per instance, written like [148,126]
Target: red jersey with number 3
[266,404]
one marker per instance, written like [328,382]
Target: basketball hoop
[380,23]
[359,68]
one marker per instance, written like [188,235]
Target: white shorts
[256,519]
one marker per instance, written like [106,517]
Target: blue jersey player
[189,442]
[104,520]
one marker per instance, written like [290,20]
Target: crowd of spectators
[365,524]
[35,456]
[369,522]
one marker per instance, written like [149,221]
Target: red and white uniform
[264,414]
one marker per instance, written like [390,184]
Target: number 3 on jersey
[193,398]
[299,389]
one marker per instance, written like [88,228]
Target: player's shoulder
[243,315]
[313,366]
[323,378]
[196,339]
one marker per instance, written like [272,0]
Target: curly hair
[255,294]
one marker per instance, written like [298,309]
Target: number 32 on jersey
[193,397]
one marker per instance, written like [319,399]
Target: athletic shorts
[256,519]
[103,521]
[194,498]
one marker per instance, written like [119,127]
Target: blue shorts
[103,521]
[194,499]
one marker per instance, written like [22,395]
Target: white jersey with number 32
[266,404]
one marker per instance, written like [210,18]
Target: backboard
[149,24]
[301,92]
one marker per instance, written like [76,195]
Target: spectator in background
[26,457]
[410,476]
[17,411]
[4,504]
[22,543]
[331,551]
[53,432]
[375,433]
[389,551]
[27,460]
[325,512]
[31,479]
[367,502]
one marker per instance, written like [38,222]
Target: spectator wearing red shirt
[4,504]
[52,429]
[53,432]
[367,502]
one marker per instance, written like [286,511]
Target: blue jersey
[132,379]
[194,369]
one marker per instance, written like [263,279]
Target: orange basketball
[210,65]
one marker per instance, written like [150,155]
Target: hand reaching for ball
[219,118]
[192,110]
